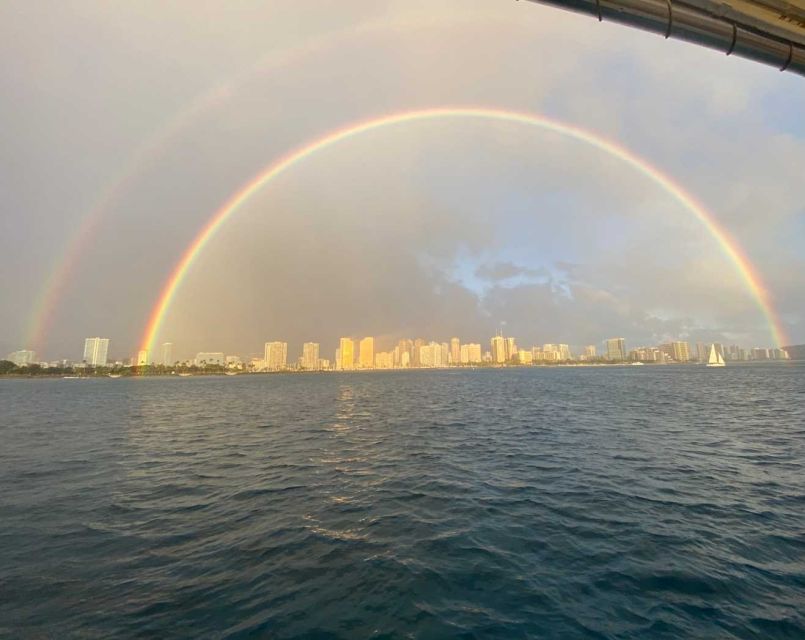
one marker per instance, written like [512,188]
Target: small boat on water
[231,373]
[715,359]
[185,375]
[114,375]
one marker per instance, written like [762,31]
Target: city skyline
[353,353]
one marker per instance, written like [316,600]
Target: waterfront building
[474,354]
[141,359]
[455,351]
[417,351]
[276,356]
[589,351]
[403,347]
[616,349]
[366,356]
[564,352]
[233,362]
[95,351]
[310,356]
[498,349]
[425,356]
[511,349]
[22,358]
[384,360]
[444,356]
[346,354]
[167,353]
[760,354]
[525,357]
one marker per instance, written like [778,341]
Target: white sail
[715,359]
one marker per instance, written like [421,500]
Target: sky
[144,118]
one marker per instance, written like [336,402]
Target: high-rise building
[22,358]
[455,351]
[760,354]
[511,349]
[426,355]
[616,349]
[276,355]
[417,351]
[444,354]
[346,355]
[474,354]
[551,352]
[564,352]
[403,347]
[384,360]
[367,353]
[589,351]
[95,350]
[680,351]
[167,354]
[498,350]
[310,356]
[141,360]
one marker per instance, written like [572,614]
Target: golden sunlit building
[455,351]
[276,355]
[346,354]
[367,353]
[310,356]
[498,350]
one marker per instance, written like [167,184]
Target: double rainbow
[728,245]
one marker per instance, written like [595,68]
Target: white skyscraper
[95,350]
[167,354]
[276,355]
[310,355]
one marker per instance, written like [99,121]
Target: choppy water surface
[641,502]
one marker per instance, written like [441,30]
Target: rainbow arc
[728,245]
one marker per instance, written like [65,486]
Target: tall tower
[95,350]
[347,354]
[498,350]
[276,355]
[616,349]
[455,351]
[310,355]
[167,354]
[367,353]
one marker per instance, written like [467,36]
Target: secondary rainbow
[63,270]
[727,244]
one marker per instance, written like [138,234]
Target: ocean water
[633,502]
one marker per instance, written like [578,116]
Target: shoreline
[223,374]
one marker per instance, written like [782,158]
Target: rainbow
[64,267]
[727,244]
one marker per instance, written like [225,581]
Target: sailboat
[715,359]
